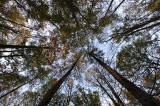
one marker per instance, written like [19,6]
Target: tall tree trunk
[11,51]
[144,98]
[13,90]
[18,87]
[13,22]
[140,25]
[23,46]
[5,27]
[112,90]
[109,7]
[144,28]
[114,93]
[11,56]
[112,99]
[51,92]
[117,7]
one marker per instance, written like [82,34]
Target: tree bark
[11,56]
[114,102]
[109,7]
[140,25]
[8,28]
[113,92]
[23,46]
[13,90]
[51,92]
[13,22]
[111,88]
[11,51]
[148,27]
[144,98]
[117,7]
[18,87]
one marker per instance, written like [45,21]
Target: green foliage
[105,21]
[14,15]
[3,41]
[90,99]
[78,98]
[134,56]
[138,63]
[154,5]
[69,26]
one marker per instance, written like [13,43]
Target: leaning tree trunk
[111,88]
[117,7]
[140,25]
[10,51]
[23,46]
[114,102]
[113,92]
[51,92]
[12,56]
[144,98]
[13,90]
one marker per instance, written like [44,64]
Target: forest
[79,53]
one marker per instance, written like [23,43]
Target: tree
[114,101]
[112,90]
[78,98]
[142,96]
[48,96]
[39,38]
[140,62]
[83,98]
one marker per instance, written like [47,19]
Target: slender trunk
[13,90]
[140,25]
[8,28]
[117,7]
[11,56]
[23,7]
[144,98]
[18,87]
[11,51]
[111,88]
[13,22]
[23,46]
[114,102]
[154,83]
[51,92]
[114,93]
[29,81]
[109,7]
[148,27]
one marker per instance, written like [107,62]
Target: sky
[109,52]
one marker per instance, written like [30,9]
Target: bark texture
[23,46]
[112,99]
[144,98]
[51,92]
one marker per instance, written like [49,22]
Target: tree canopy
[80,52]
